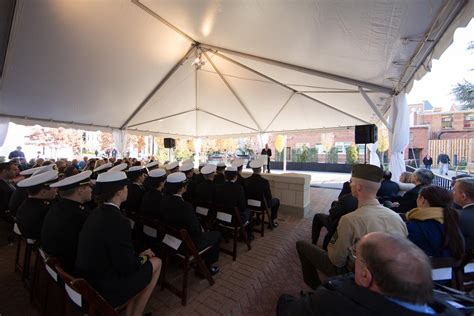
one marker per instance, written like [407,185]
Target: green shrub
[352,155]
[331,156]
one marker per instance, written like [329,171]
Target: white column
[400,134]
[197,142]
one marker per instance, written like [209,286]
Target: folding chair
[444,264]
[204,211]
[229,218]
[260,208]
[173,239]
[25,267]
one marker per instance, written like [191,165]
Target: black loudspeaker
[365,134]
[170,143]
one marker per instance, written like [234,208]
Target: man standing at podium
[267,151]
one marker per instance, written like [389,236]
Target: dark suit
[467,226]
[388,189]
[30,217]
[240,180]
[61,228]
[105,256]
[256,187]
[6,191]
[219,178]
[134,198]
[344,205]
[18,196]
[408,200]
[150,207]
[180,214]
[190,194]
[231,194]
[268,153]
[205,191]
[198,178]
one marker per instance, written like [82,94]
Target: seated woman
[105,255]
[405,184]
[434,224]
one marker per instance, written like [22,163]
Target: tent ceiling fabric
[119,63]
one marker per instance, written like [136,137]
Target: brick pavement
[249,286]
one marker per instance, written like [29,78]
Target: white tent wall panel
[178,94]
[85,61]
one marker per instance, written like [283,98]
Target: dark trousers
[274,205]
[268,165]
[212,238]
[245,216]
[319,221]
[314,259]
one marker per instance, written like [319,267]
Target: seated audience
[392,277]
[172,167]
[256,187]
[8,171]
[346,189]
[404,182]
[219,178]
[239,164]
[434,224]
[105,256]
[136,176]
[463,195]
[205,190]
[388,188]
[32,211]
[370,216]
[421,178]
[344,205]
[188,169]
[199,177]
[150,206]
[180,214]
[231,194]
[63,223]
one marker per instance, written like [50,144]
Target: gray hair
[424,176]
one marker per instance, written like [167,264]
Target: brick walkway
[249,286]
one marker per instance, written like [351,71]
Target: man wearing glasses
[392,277]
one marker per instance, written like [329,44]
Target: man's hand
[148,253]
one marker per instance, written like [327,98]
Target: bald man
[392,277]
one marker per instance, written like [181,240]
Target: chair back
[257,204]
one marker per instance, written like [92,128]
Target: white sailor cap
[73,181]
[136,169]
[186,167]
[172,165]
[44,178]
[238,163]
[37,170]
[119,167]
[176,177]
[157,173]
[208,169]
[255,164]
[111,177]
[107,180]
[152,164]
[187,161]
[231,169]
[103,167]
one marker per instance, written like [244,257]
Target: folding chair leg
[269,220]
[164,268]
[17,256]
[26,263]
[234,251]
[205,271]
[185,282]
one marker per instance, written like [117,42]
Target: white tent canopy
[214,68]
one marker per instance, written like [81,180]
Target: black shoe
[212,271]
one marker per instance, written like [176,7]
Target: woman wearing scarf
[434,224]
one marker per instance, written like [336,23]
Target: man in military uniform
[239,164]
[63,223]
[150,206]
[256,187]
[199,177]
[219,178]
[31,213]
[180,214]
[205,190]
[188,170]
[172,167]
[231,194]
[136,176]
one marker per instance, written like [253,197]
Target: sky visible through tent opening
[455,65]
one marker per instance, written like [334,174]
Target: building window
[446,121]
[469,120]
[288,153]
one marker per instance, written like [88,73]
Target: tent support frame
[160,118]
[374,108]
[226,119]
[233,92]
